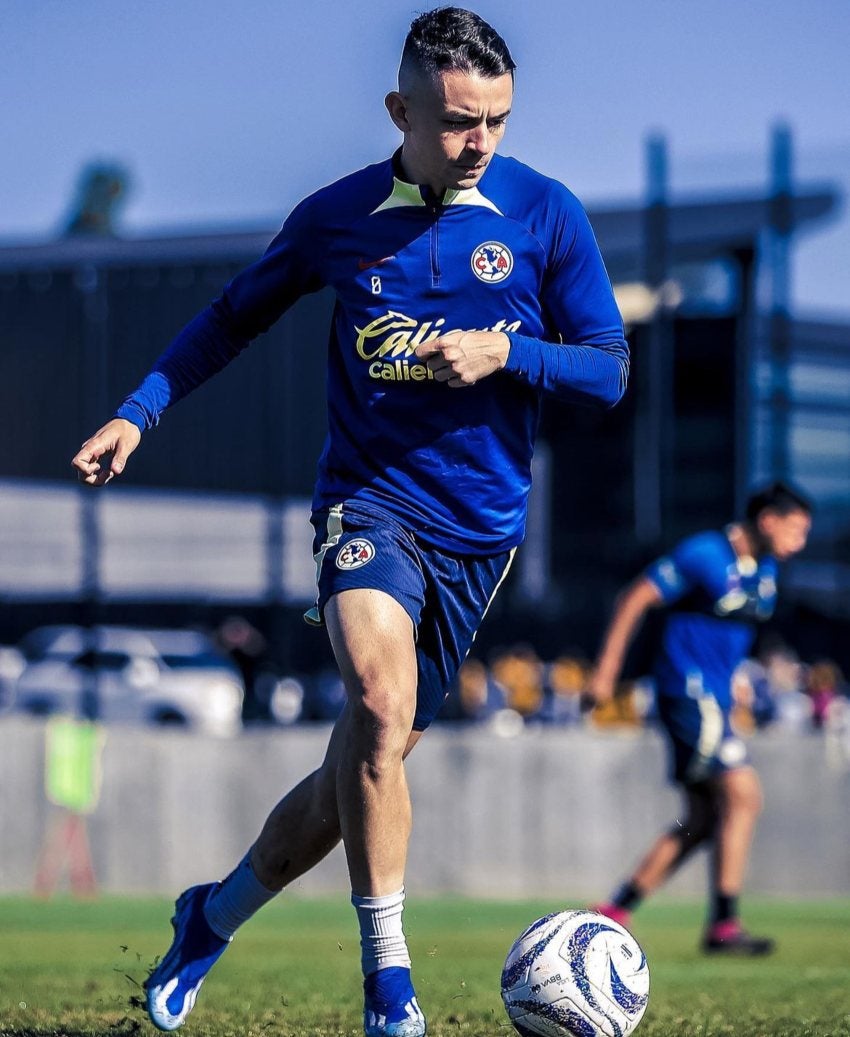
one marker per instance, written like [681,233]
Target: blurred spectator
[824,684]
[837,731]
[793,707]
[564,684]
[479,694]
[246,646]
[761,703]
[520,671]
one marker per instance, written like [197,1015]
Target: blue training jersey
[514,254]
[715,600]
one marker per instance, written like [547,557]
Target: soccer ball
[575,974]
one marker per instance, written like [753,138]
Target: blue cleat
[173,985]
[390,1008]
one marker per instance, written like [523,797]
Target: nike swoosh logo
[367,264]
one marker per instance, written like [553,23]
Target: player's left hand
[463,358]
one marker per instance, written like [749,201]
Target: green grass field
[74,969]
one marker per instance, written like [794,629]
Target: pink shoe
[617,914]
[728,937]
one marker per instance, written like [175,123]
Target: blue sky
[227,114]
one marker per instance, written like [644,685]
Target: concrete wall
[551,812]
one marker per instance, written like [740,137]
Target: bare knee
[380,723]
[739,793]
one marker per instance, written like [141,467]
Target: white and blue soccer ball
[575,974]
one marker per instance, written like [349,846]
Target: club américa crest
[355,553]
[492,262]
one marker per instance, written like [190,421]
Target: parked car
[130,674]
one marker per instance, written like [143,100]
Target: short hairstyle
[456,39]
[778,497]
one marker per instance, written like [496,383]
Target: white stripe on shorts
[333,533]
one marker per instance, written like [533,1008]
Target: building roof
[697,229]
[702,228]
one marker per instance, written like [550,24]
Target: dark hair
[778,497]
[453,38]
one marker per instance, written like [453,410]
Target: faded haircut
[452,38]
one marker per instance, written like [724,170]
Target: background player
[453,268]
[717,586]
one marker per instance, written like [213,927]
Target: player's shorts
[446,595]
[701,740]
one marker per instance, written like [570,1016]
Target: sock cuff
[376,903]
[249,876]
[382,942]
[238,897]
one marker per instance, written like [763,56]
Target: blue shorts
[445,595]
[701,740]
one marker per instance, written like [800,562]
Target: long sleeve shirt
[514,254]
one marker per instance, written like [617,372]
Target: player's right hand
[600,686]
[105,454]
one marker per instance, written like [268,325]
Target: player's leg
[373,641]
[458,592]
[740,803]
[304,826]
[301,830]
[684,723]
[739,798]
[676,845]
[371,591]
[669,851]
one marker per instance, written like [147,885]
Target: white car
[130,674]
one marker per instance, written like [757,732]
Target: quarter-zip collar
[405,193]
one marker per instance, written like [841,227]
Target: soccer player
[716,585]
[467,286]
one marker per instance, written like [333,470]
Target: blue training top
[716,599]
[514,254]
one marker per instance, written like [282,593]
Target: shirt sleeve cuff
[517,360]
[131,411]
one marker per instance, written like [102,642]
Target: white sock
[382,941]
[238,897]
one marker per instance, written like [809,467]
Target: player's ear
[397,107]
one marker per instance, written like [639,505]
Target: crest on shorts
[492,262]
[354,554]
